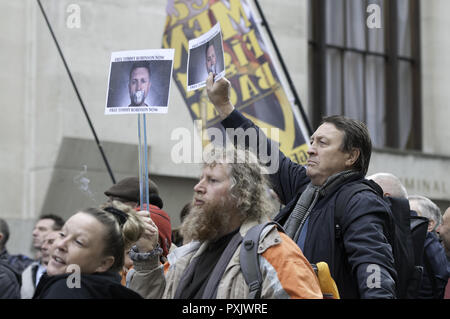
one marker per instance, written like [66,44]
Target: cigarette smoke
[82,182]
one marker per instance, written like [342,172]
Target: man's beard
[207,222]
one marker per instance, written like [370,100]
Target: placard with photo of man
[205,56]
[139,81]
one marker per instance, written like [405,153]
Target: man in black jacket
[9,274]
[18,262]
[358,252]
[435,275]
[9,284]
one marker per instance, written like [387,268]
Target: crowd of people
[123,250]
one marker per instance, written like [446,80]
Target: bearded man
[230,197]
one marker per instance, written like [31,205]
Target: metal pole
[283,66]
[77,93]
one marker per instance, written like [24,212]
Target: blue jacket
[437,261]
[363,241]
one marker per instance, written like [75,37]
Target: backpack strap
[419,226]
[210,291]
[431,275]
[249,261]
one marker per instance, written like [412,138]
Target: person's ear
[431,224]
[353,156]
[105,264]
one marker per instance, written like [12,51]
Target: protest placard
[205,55]
[139,81]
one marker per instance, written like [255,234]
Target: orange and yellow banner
[256,88]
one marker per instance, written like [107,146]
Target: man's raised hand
[219,95]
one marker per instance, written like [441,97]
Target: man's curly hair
[250,186]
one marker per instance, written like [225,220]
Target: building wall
[46,145]
[421,174]
[427,173]
[435,76]
[46,122]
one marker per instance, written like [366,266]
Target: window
[371,74]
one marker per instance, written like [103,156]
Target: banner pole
[77,93]
[283,66]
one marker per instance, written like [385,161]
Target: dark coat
[18,262]
[9,282]
[363,224]
[435,267]
[95,286]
